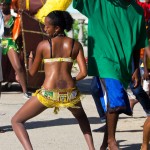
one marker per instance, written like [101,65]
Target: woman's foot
[112,145]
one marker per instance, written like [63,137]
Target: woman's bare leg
[82,119]
[29,110]
[146,134]
[14,59]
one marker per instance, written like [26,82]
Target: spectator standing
[116,33]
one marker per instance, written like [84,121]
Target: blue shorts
[114,97]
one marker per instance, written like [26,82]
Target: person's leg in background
[115,101]
[144,100]
[141,96]
[132,98]
[96,96]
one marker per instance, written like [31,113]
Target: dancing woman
[59,87]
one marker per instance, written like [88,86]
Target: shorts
[113,96]
[58,98]
[7,44]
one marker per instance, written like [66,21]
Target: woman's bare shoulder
[77,44]
[43,44]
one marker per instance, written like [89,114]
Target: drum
[32,34]
[31,5]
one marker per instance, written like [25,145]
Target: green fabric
[7,44]
[7,1]
[115,30]
[10,22]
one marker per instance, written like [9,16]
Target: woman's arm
[82,64]
[34,65]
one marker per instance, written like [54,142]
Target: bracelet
[30,57]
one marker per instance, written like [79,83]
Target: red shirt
[146,7]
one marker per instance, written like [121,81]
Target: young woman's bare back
[58,74]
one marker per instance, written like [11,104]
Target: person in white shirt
[1,34]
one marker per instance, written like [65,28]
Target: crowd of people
[123,27]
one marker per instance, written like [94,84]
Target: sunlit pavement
[61,132]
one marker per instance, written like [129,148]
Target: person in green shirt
[116,33]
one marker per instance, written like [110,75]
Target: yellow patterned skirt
[58,98]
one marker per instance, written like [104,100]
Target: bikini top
[8,27]
[59,59]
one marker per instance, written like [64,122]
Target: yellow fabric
[27,4]
[58,98]
[58,60]
[52,5]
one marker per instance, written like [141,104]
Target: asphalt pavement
[49,131]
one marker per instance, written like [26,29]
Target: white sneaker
[102,119]
[27,95]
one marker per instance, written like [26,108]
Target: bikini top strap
[72,47]
[50,43]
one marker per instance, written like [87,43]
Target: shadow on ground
[58,122]
[128,147]
[63,122]
[51,123]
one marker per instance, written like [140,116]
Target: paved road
[61,132]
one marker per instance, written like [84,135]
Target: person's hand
[146,75]
[135,78]
[31,55]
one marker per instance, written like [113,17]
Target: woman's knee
[15,120]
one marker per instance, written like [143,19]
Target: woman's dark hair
[62,19]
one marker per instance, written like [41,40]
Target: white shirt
[1,24]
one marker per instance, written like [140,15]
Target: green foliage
[76,32]
[85,35]
[76,29]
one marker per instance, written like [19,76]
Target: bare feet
[113,146]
